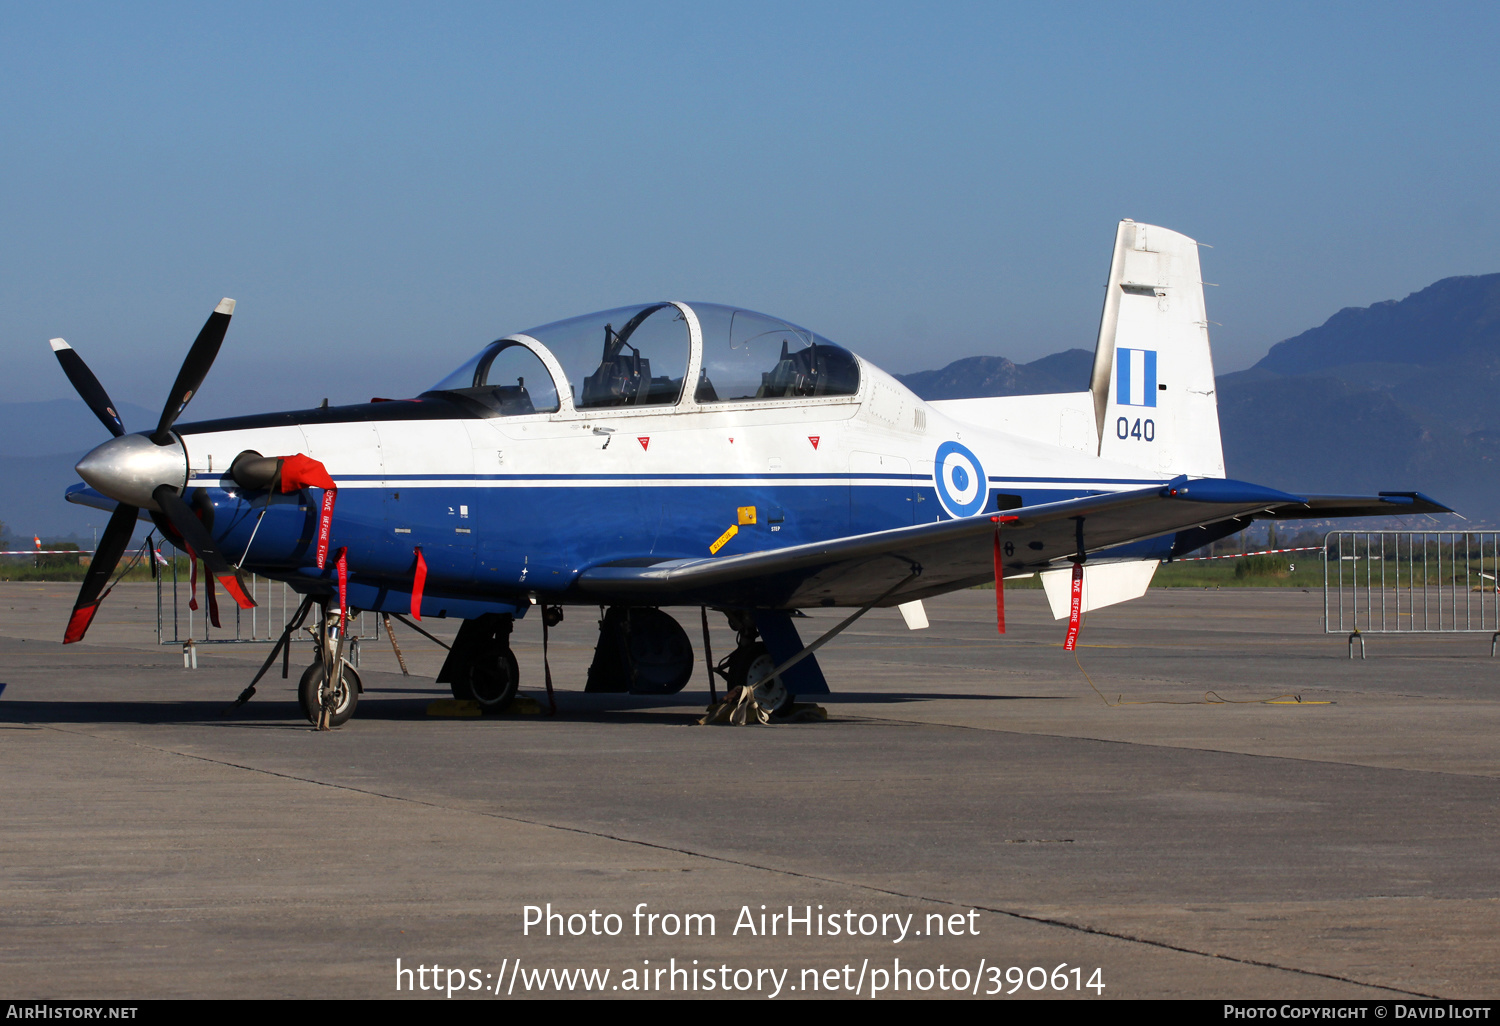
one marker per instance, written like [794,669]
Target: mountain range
[1402,395]
[1399,395]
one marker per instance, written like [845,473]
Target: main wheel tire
[749,666]
[310,693]
[656,652]
[492,682]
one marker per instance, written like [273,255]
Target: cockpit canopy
[748,355]
[640,356]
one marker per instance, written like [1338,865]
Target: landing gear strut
[480,667]
[750,665]
[327,705]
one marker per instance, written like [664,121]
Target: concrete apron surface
[1180,843]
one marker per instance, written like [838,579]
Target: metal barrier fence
[178,624]
[1411,582]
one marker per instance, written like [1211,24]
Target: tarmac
[1172,829]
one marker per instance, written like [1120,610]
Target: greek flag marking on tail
[1135,377]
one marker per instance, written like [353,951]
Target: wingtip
[58,345]
[226,306]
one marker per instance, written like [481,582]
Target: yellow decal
[713,549]
[747,515]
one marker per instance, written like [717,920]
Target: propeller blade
[194,369]
[112,546]
[88,387]
[201,542]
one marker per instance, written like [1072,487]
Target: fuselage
[510,508]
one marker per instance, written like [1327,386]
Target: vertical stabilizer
[1153,381]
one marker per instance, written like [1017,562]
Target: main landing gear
[640,650]
[645,651]
[750,665]
[480,666]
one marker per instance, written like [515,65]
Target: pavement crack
[1063,924]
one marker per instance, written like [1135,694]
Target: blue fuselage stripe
[500,543]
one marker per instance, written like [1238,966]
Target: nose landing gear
[327,705]
[339,701]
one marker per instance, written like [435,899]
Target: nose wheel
[329,689]
[315,694]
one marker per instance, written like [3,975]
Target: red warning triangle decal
[645,441]
[814,440]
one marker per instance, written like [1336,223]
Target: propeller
[194,369]
[200,542]
[88,387]
[111,547]
[139,474]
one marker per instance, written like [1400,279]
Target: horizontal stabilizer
[915,615]
[1104,584]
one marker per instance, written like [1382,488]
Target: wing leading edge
[954,554]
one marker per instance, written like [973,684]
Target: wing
[1386,504]
[83,495]
[956,554]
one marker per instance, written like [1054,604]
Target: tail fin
[1153,381]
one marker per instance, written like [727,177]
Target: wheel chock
[524,705]
[452,708]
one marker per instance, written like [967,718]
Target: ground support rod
[420,631]
[810,649]
[708,660]
[389,633]
[283,644]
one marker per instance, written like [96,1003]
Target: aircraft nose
[129,468]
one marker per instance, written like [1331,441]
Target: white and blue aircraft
[679,454]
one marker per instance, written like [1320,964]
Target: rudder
[1153,380]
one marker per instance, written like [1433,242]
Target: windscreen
[507,378]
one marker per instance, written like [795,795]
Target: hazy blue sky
[385,187]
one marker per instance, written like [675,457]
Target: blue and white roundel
[961,485]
